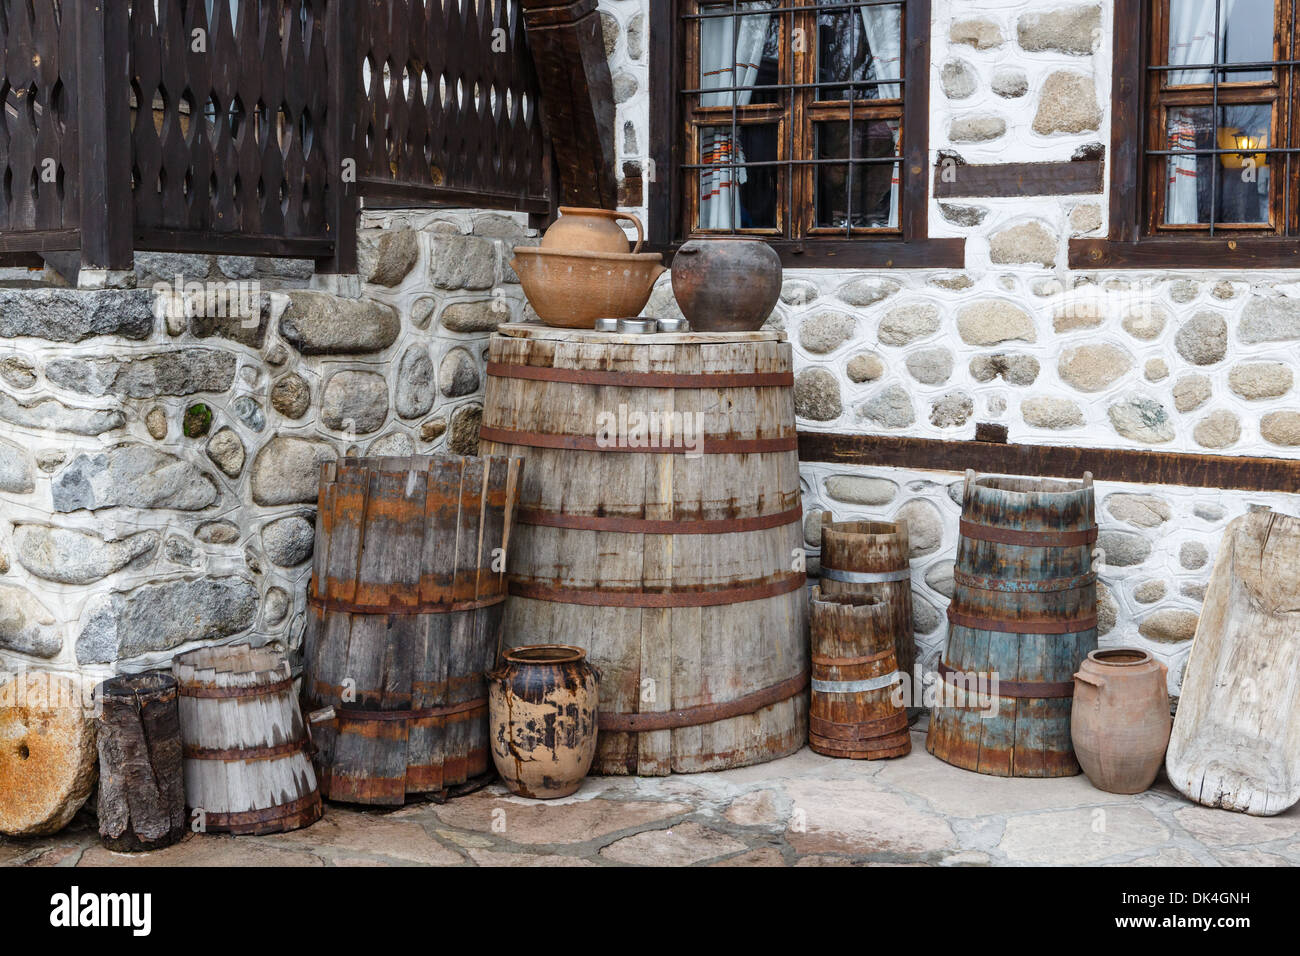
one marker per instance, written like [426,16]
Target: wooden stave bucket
[853,643]
[1045,531]
[694,730]
[874,560]
[393,733]
[212,694]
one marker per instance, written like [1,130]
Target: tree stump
[141,786]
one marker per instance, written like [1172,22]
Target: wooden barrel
[856,710]
[873,559]
[245,747]
[406,597]
[659,530]
[1024,612]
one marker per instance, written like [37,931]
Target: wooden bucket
[675,564]
[1024,609]
[873,559]
[407,592]
[855,711]
[245,748]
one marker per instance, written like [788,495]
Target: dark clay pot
[726,285]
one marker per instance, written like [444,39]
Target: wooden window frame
[1136,241]
[909,247]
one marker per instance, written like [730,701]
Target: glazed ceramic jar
[1120,719]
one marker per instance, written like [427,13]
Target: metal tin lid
[674,325]
[637,326]
[607,325]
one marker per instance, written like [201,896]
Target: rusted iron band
[706,445]
[856,686]
[595,597]
[1020,689]
[550,519]
[704,713]
[1033,539]
[303,805]
[465,707]
[877,748]
[574,376]
[228,693]
[1021,626]
[1004,585]
[268,752]
[866,577]
[850,661]
[857,730]
[348,607]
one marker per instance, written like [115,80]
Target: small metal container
[607,325]
[674,325]
[637,326]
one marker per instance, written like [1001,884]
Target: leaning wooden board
[1236,737]
[678,573]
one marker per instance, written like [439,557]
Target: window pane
[865,194]
[1234,185]
[1245,29]
[859,44]
[743,197]
[740,51]
[1247,37]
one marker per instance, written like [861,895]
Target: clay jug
[726,285]
[1120,720]
[591,230]
[542,719]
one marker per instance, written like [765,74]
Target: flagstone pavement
[804,810]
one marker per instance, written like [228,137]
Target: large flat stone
[316,323]
[536,822]
[205,849]
[180,372]
[71,315]
[682,845]
[286,470]
[26,625]
[1082,835]
[1216,828]
[67,556]
[49,414]
[16,475]
[858,818]
[132,476]
[366,835]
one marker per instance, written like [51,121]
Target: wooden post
[345,109]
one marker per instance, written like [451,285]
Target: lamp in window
[1244,142]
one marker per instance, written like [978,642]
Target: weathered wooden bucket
[1023,614]
[856,710]
[675,563]
[407,592]
[873,559]
[246,753]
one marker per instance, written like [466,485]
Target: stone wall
[158,470]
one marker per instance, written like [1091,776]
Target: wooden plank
[103,113]
[1132,465]
[916,121]
[1072,177]
[1186,253]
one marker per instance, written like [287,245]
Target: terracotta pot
[1120,720]
[571,290]
[542,705]
[726,285]
[591,230]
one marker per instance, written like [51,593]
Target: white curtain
[724,41]
[884,26]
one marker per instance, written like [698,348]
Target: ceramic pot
[1120,718]
[591,230]
[571,290]
[726,285]
[542,712]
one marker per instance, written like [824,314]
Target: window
[801,122]
[1206,150]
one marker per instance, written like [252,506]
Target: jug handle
[1097,682]
[616,215]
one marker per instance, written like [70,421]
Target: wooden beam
[1072,177]
[568,50]
[1130,465]
[1191,252]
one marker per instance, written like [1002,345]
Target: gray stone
[71,315]
[286,471]
[457,375]
[49,414]
[891,408]
[1193,555]
[1203,339]
[249,412]
[1010,83]
[636,36]
[66,556]
[1191,392]
[958,79]
[826,331]
[465,424]
[1067,104]
[1149,592]
[275,606]
[180,552]
[356,402]
[226,451]
[1053,413]
[288,542]
[416,383]
[817,395]
[1219,429]
[180,372]
[480,315]
[1029,243]
[1258,380]
[1142,419]
[155,421]
[864,367]
[1209,512]
[939,577]
[798,293]
[1183,291]
[1281,428]
[861,490]
[625,86]
[1094,368]
[316,323]
[952,410]
[16,476]
[1073,30]
[1194,591]
[960,215]
[291,396]
[1224,290]
[609,30]
[1107,610]
[976,129]
[237,267]
[386,257]
[1269,320]
[907,323]
[167,267]
[132,476]
[498,226]
[159,617]
[396,444]
[979,32]
[232,313]
[925,616]
[930,366]
[422,310]
[630,145]
[1142,511]
[462,262]
[1145,322]
[994,321]
[17,372]
[26,625]
[1123,549]
[50,460]
[1080,314]
[1169,626]
[433,429]
[1012,369]
[1085,218]
[218,532]
[924,526]
[955,283]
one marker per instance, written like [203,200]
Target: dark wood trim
[343,127]
[385,194]
[1126,126]
[856,253]
[1193,252]
[48,241]
[1068,178]
[233,244]
[665,146]
[1130,465]
[916,122]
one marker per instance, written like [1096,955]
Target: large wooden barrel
[856,710]
[247,768]
[407,592]
[1024,611]
[676,563]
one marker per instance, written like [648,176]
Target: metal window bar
[1214,119]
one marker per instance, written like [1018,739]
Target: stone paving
[805,810]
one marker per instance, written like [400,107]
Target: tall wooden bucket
[1024,611]
[873,559]
[855,711]
[407,592]
[675,564]
[245,747]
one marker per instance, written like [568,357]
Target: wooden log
[857,709]
[1022,619]
[141,784]
[1234,742]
